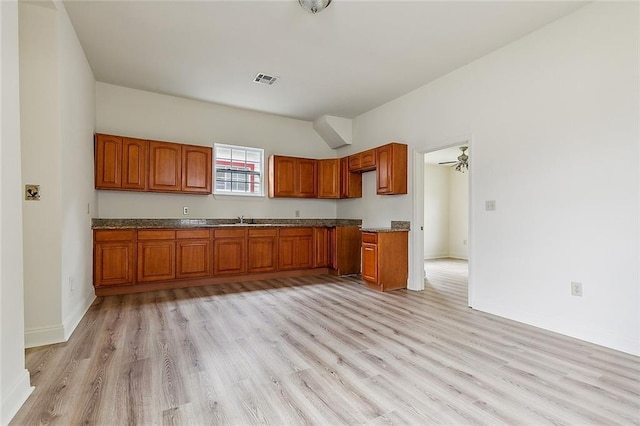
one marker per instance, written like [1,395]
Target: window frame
[231,163]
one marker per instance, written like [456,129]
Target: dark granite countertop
[396,226]
[216,223]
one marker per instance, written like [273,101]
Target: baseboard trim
[15,397]
[76,316]
[44,336]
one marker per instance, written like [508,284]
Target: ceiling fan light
[314,6]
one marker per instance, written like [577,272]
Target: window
[238,170]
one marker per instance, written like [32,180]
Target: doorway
[442,206]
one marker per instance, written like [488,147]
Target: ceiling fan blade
[448,162]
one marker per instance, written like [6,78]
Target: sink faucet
[241,219]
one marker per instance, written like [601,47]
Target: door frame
[417,271]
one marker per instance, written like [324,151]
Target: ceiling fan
[462,163]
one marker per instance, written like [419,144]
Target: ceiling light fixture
[463,160]
[314,6]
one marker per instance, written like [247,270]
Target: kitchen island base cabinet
[385,260]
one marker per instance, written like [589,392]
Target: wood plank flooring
[322,350]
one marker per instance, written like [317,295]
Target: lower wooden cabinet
[229,251]
[155,258]
[385,260]
[193,254]
[262,248]
[295,248]
[114,257]
[156,255]
[344,250]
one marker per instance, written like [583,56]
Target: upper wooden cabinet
[165,166]
[364,161]
[292,177]
[391,177]
[329,178]
[350,182]
[130,164]
[196,169]
[108,162]
[134,163]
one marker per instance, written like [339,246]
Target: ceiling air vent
[262,78]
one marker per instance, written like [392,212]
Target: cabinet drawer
[296,232]
[230,233]
[157,234]
[370,237]
[114,235]
[253,233]
[184,234]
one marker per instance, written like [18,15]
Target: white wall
[57,92]
[79,198]
[458,214]
[553,124]
[14,378]
[446,212]
[146,115]
[436,211]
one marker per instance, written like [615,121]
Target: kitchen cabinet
[229,251]
[329,178]
[114,257]
[344,250]
[295,248]
[364,161]
[156,255]
[165,167]
[262,250]
[193,253]
[391,176]
[385,260]
[292,177]
[108,162]
[320,247]
[350,182]
[134,164]
[196,169]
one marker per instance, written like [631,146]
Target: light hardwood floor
[322,350]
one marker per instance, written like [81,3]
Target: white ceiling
[346,60]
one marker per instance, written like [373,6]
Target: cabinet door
[156,260]
[108,162]
[321,247]
[165,167]
[229,256]
[329,178]
[391,177]
[350,183]
[370,262]
[196,169]
[295,248]
[134,163]
[193,258]
[282,172]
[114,263]
[262,251]
[306,177]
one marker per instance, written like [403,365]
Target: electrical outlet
[72,287]
[576,289]
[490,205]
[297,213]
[185,210]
